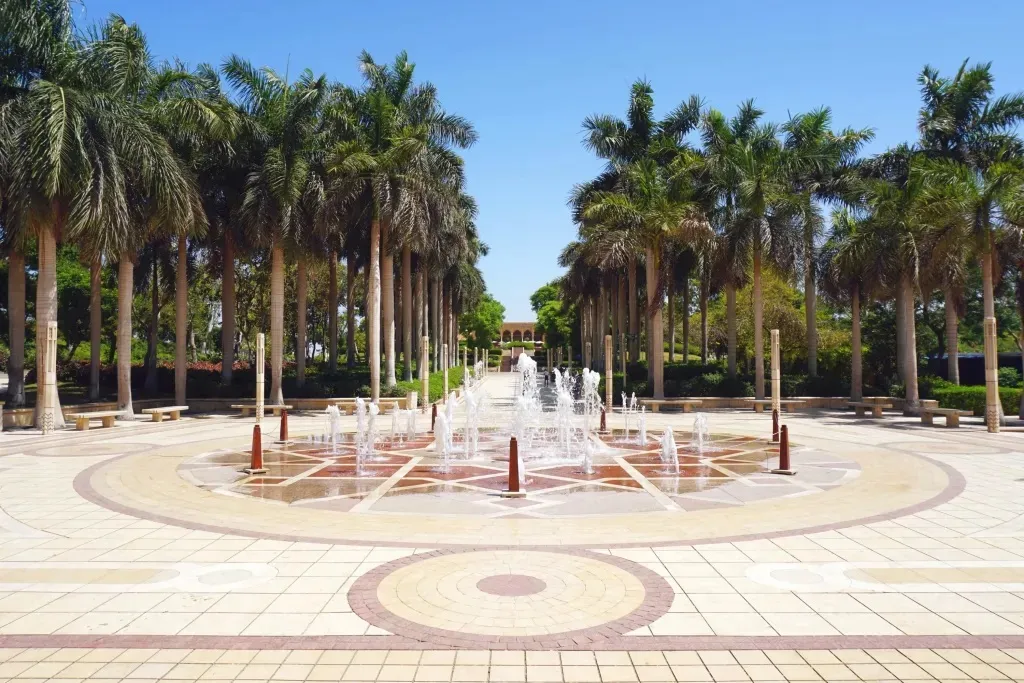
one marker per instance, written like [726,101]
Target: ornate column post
[776,372]
[992,405]
[424,372]
[260,370]
[50,378]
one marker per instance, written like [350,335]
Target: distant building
[520,332]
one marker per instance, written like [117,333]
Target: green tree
[482,323]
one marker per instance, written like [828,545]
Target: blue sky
[526,74]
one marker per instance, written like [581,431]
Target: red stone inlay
[511,585]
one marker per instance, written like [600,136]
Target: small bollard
[256,463]
[433,415]
[784,453]
[604,422]
[513,471]
[775,425]
[283,436]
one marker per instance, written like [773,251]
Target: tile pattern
[586,598]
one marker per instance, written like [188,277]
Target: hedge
[973,398]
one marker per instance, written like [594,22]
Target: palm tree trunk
[686,320]
[181,322]
[856,369]
[332,310]
[16,323]
[46,310]
[301,293]
[417,319]
[350,311]
[125,291]
[387,277]
[151,384]
[623,325]
[901,333]
[408,307]
[730,325]
[634,318]
[655,331]
[276,322]
[435,324]
[95,323]
[227,305]
[671,319]
[910,351]
[758,331]
[704,321]
[373,295]
[952,339]
[446,312]
[810,306]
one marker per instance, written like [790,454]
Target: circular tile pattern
[511,585]
[91,448]
[540,597]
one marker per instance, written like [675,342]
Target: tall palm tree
[655,205]
[851,268]
[764,221]
[287,115]
[962,124]
[821,167]
[402,134]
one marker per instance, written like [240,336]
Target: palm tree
[287,116]
[851,268]
[382,172]
[655,206]
[821,167]
[962,125]
[898,227]
[718,189]
[764,219]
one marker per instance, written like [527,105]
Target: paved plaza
[144,553]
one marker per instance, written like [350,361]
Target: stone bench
[250,409]
[106,418]
[952,415]
[861,407]
[789,405]
[348,405]
[172,412]
[685,404]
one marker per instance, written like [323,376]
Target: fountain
[332,430]
[443,442]
[669,454]
[700,440]
[471,436]
[642,427]
[360,425]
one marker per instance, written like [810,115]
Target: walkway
[115,565]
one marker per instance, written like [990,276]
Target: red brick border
[636,643]
[363,599]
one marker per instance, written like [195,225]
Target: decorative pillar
[588,358]
[260,369]
[424,373]
[465,363]
[776,371]
[992,405]
[622,356]
[608,363]
[50,378]
[444,364]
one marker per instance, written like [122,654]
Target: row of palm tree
[699,195]
[104,148]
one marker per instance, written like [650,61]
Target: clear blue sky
[526,74]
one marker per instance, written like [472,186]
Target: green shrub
[973,398]
[1009,377]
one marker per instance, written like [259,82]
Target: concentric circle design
[523,596]
[511,585]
